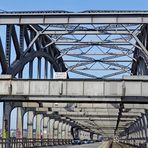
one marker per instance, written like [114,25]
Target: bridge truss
[88,44]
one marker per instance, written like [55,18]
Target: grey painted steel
[19,123]
[6,122]
[65,18]
[66,131]
[63,134]
[69,133]
[60,130]
[131,89]
[51,130]
[136,133]
[38,126]
[45,127]
[30,117]
[41,43]
[56,129]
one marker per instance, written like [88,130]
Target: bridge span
[77,75]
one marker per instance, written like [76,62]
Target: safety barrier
[28,143]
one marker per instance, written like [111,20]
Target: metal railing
[28,143]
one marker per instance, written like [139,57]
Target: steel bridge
[104,57]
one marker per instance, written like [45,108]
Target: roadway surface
[93,145]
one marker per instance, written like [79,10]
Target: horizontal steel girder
[130,89]
[66,18]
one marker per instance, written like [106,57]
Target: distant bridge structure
[96,49]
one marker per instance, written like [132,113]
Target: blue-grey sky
[74,5]
[71,5]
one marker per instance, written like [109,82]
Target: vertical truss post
[140,130]
[51,71]
[19,124]
[3,58]
[60,132]
[51,129]
[30,116]
[8,44]
[56,130]
[7,108]
[39,69]
[146,115]
[144,127]
[46,69]
[38,126]
[31,69]
[22,31]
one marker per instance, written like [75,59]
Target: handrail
[28,143]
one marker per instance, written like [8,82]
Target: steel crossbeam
[128,17]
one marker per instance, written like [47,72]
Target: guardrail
[28,143]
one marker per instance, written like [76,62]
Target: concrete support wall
[30,116]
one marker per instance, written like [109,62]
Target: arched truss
[84,50]
[23,45]
[140,62]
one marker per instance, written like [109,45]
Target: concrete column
[30,116]
[19,123]
[38,126]
[45,127]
